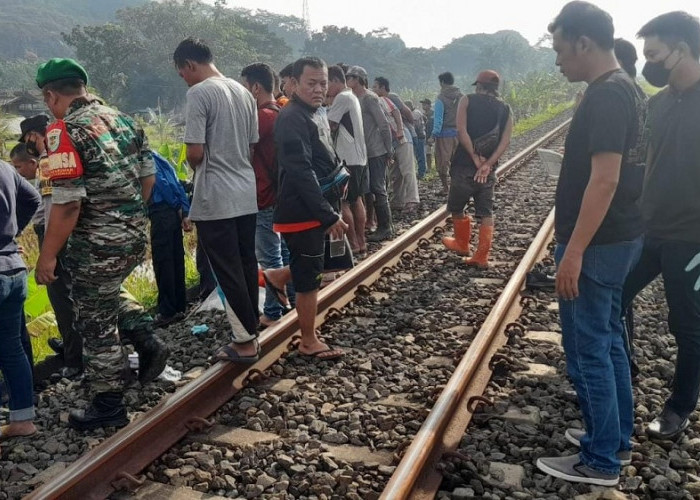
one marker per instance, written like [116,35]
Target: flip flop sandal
[229,354]
[280,295]
[325,354]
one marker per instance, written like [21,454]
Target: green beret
[58,69]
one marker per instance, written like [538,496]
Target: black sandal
[229,354]
[280,295]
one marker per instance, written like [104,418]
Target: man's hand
[568,273]
[694,262]
[44,271]
[187,225]
[482,172]
[337,230]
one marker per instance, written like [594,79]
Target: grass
[532,122]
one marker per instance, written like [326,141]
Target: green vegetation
[532,122]
[128,52]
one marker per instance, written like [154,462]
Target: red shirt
[264,156]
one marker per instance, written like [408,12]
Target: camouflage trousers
[100,304]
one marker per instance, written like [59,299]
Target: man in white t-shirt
[221,126]
[345,117]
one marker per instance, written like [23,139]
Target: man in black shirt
[484,127]
[598,231]
[671,203]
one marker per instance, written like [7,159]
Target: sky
[434,23]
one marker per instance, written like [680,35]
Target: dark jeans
[230,247]
[419,152]
[596,359]
[377,179]
[168,254]
[15,365]
[207,284]
[679,264]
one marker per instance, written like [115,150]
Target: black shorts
[463,187]
[306,258]
[358,185]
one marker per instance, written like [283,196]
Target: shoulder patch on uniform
[53,139]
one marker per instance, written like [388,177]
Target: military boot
[153,355]
[106,410]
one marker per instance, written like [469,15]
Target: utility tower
[305,15]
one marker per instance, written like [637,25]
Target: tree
[130,61]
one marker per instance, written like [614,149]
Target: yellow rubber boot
[463,233]
[481,256]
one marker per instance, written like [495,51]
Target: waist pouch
[335,185]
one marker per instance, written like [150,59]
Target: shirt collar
[308,108]
[83,101]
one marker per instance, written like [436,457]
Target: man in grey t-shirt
[221,125]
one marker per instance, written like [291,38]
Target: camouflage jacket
[114,154]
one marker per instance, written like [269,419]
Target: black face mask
[656,73]
[31,148]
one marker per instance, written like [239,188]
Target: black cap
[425,101]
[35,123]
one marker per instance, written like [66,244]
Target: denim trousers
[419,152]
[678,262]
[268,250]
[15,366]
[596,359]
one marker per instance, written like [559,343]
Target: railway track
[116,463]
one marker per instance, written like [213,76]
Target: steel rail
[418,455]
[113,464]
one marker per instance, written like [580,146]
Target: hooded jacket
[445,116]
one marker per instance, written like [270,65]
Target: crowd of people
[295,172]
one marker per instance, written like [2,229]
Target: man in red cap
[484,127]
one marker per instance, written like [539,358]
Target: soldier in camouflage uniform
[102,171]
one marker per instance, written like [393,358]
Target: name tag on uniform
[64,161]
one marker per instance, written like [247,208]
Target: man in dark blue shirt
[168,210]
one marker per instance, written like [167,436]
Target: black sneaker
[160,321]
[541,278]
[106,410]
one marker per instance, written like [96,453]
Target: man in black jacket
[671,206]
[303,215]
